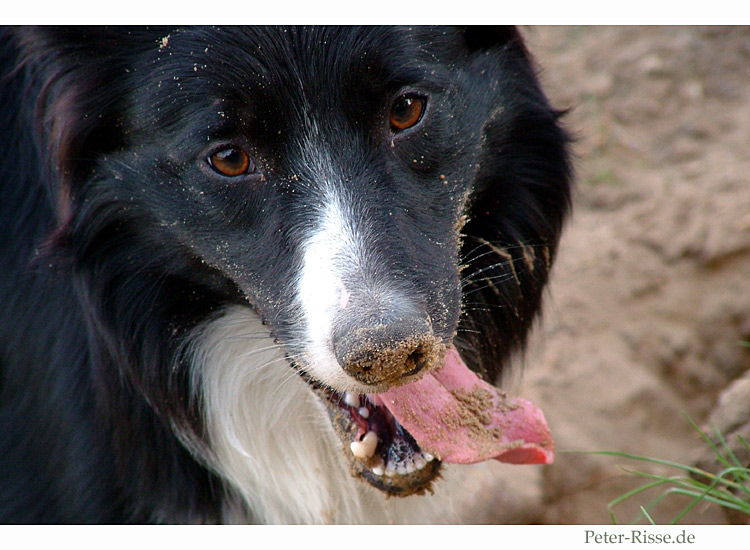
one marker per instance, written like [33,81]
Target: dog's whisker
[249,336]
[472,261]
[263,366]
[468,258]
[253,353]
[494,247]
[472,277]
[507,246]
[286,378]
[489,307]
[491,283]
[467,330]
[498,277]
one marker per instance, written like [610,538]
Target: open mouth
[397,440]
[379,449]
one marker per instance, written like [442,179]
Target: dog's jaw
[270,438]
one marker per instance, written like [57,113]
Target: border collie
[267,275]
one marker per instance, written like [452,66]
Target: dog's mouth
[397,440]
[378,448]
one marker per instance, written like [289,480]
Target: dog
[268,275]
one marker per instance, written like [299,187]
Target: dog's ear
[521,197]
[485,37]
[77,82]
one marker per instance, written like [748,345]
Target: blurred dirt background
[650,297]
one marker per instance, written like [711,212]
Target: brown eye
[231,162]
[406,112]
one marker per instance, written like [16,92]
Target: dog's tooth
[419,461]
[366,447]
[390,470]
[407,467]
[358,449]
[351,399]
[364,412]
[371,442]
[427,456]
[379,468]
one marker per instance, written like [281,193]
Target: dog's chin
[390,460]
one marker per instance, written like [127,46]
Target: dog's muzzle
[381,343]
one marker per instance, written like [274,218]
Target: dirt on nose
[377,363]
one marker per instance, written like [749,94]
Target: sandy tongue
[459,418]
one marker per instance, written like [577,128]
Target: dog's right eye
[231,162]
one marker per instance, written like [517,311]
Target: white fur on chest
[271,438]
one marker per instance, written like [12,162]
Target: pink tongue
[457,417]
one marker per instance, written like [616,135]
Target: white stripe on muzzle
[335,250]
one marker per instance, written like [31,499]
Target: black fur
[116,240]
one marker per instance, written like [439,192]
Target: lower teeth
[408,466]
[403,462]
[420,461]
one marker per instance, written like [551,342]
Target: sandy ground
[650,297]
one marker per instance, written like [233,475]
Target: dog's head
[382,197]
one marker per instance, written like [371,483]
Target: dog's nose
[382,348]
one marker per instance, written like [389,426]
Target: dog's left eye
[407,110]
[231,162]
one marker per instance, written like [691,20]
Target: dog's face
[325,174]
[379,195]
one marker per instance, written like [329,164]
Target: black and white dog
[267,274]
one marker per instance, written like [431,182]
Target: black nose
[380,345]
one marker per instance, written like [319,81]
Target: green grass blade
[690,469]
[634,492]
[729,489]
[712,445]
[729,453]
[647,516]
